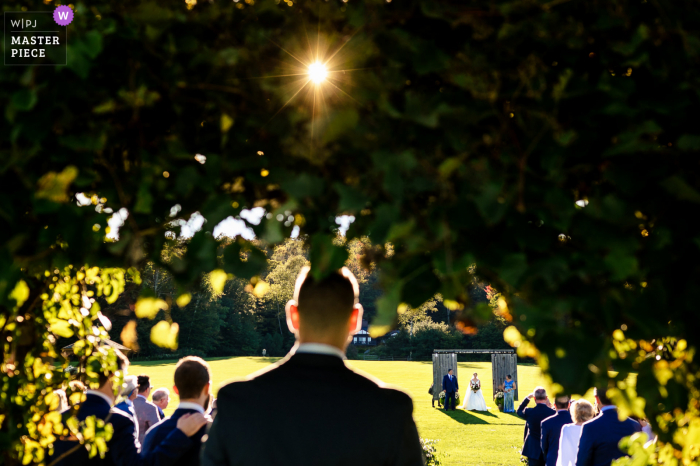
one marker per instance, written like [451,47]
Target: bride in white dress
[474,401]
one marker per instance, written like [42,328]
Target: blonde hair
[581,411]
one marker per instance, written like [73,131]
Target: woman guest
[581,411]
[508,394]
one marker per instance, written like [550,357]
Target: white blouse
[568,444]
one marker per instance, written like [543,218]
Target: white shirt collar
[101,395]
[317,348]
[190,405]
[141,396]
[607,408]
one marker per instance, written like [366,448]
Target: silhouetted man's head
[602,397]
[562,402]
[325,309]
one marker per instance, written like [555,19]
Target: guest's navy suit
[450,386]
[123,448]
[600,437]
[368,425]
[534,417]
[160,431]
[551,430]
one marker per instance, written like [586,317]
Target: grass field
[468,438]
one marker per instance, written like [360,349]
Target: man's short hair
[159,394]
[144,382]
[122,365]
[449,370]
[326,303]
[540,394]
[192,374]
[602,395]
[581,411]
[562,401]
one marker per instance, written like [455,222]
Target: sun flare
[317,72]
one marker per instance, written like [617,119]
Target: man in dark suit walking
[193,385]
[123,447]
[450,385]
[601,435]
[316,410]
[551,430]
[534,417]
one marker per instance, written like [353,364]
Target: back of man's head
[326,303]
[144,382]
[160,394]
[540,394]
[562,402]
[601,394]
[122,365]
[192,374]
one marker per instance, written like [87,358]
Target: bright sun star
[317,72]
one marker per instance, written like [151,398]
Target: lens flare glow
[318,72]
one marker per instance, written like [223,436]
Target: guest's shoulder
[119,418]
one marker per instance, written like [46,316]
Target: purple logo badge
[63,15]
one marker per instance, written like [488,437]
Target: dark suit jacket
[123,448]
[312,410]
[534,417]
[551,430]
[600,437]
[450,385]
[157,434]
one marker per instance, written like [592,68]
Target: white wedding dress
[474,401]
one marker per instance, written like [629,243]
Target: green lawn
[469,438]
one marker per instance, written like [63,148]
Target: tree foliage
[549,142]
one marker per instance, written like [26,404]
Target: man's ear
[356,319]
[175,390]
[292,312]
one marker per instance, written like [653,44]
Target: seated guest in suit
[193,386]
[129,392]
[318,410]
[161,398]
[123,447]
[146,412]
[551,429]
[600,436]
[581,411]
[534,417]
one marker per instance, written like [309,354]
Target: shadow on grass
[467,417]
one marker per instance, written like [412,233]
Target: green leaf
[20,293]
[164,334]
[24,99]
[61,328]
[681,189]
[325,256]
[148,307]
[54,186]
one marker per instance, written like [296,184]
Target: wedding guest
[581,411]
[193,386]
[123,447]
[129,392]
[534,417]
[509,394]
[551,429]
[369,423]
[450,387]
[600,436]
[146,412]
[161,398]
[430,391]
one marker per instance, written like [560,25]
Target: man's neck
[106,393]
[196,401]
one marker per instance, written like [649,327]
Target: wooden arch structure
[503,362]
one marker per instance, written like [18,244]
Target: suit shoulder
[117,417]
